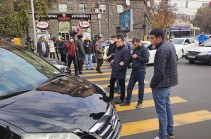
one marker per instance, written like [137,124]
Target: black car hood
[65,104]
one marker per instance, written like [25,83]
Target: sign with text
[126,21]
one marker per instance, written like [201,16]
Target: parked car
[38,101]
[184,43]
[201,53]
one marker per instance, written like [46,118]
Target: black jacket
[142,58]
[122,54]
[39,48]
[112,48]
[62,48]
[90,48]
[165,66]
[80,50]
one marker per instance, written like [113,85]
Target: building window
[120,8]
[204,5]
[83,7]
[62,7]
[102,8]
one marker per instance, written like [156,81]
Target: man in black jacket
[80,53]
[140,57]
[119,68]
[165,76]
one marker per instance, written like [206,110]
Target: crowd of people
[119,56]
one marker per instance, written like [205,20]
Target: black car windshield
[21,70]
[207,43]
[177,41]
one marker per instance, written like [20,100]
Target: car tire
[192,61]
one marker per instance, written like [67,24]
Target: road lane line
[135,92]
[106,85]
[153,124]
[148,103]
[96,74]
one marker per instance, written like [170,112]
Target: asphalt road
[191,104]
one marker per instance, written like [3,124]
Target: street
[190,103]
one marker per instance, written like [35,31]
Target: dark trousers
[63,58]
[134,77]
[70,59]
[99,64]
[80,66]
[122,86]
[52,55]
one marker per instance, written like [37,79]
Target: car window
[177,41]
[21,70]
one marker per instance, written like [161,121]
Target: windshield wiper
[53,78]
[13,94]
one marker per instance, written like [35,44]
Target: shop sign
[42,24]
[64,26]
[84,24]
[64,17]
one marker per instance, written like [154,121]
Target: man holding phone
[140,57]
[119,68]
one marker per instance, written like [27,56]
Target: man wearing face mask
[71,49]
[112,47]
[89,50]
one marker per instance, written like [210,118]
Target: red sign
[64,18]
[42,24]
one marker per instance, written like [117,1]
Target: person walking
[71,49]
[202,37]
[165,76]
[52,48]
[80,53]
[99,54]
[63,50]
[43,47]
[119,68]
[140,57]
[30,44]
[89,50]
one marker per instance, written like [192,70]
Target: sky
[188,7]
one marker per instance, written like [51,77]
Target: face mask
[111,41]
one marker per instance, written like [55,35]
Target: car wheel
[192,61]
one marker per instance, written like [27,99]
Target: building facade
[93,17]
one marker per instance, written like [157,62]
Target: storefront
[80,23]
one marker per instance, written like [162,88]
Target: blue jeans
[89,60]
[164,112]
[134,77]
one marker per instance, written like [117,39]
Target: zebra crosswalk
[139,126]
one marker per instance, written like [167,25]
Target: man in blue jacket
[202,38]
[119,68]
[140,57]
[165,76]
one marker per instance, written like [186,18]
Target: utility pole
[34,30]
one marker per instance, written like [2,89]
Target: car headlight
[50,136]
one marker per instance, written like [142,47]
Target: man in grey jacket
[43,48]
[99,54]
[165,76]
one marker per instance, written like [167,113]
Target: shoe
[119,101]
[157,137]
[171,136]
[100,72]
[138,105]
[108,85]
[91,69]
[124,104]
[80,72]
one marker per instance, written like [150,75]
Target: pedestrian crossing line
[103,67]
[106,85]
[153,124]
[148,103]
[94,71]
[135,92]
[96,74]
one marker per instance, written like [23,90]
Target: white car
[152,52]
[201,53]
[184,43]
